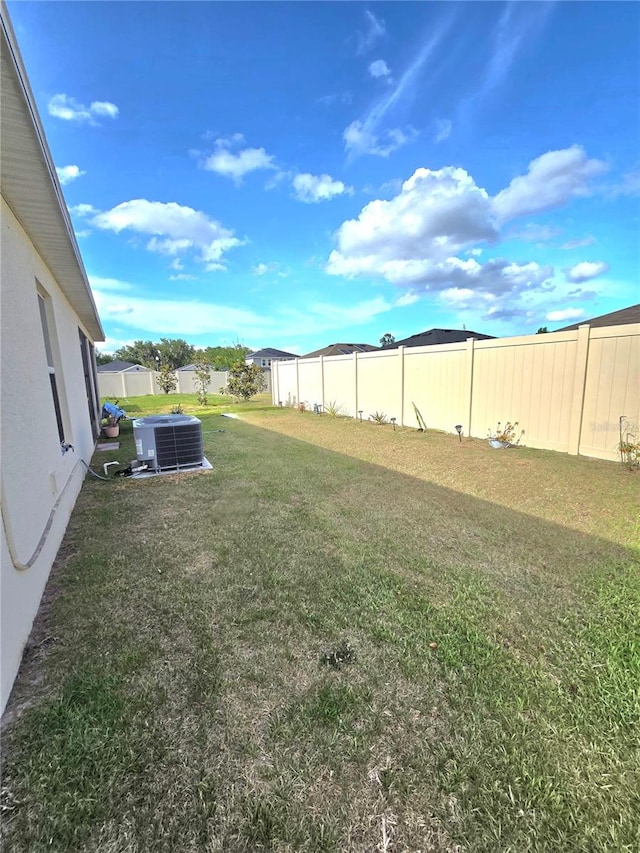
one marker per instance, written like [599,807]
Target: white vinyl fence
[130,383]
[138,383]
[567,390]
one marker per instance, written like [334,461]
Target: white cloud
[379,68]
[628,186]
[359,139]
[66,174]
[370,134]
[435,215]
[109,285]
[236,165]
[426,238]
[196,317]
[343,316]
[589,240]
[585,271]
[375,30]
[564,314]
[552,180]
[68,109]
[112,344]
[314,188]
[408,298]
[104,108]
[82,210]
[516,31]
[443,130]
[534,233]
[260,269]
[174,228]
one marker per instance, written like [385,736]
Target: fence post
[322,378]
[355,383]
[124,385]
[471,351]
[297,381]
[401,354]
[579,386]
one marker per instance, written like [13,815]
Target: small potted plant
[111,414]
[505,436]
[111,426]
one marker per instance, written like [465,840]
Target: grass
[137,407]
[344,637]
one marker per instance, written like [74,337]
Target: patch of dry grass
[593,496]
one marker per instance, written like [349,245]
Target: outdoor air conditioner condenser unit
[169,442]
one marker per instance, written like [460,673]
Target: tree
[222,358]
[202,381]
[387,340]
[103,357]
[245,380]
[167,378]
[175,352]
[139,352]
[542,330]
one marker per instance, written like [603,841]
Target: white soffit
[30,184]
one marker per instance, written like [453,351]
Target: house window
[87,353]
[47,324]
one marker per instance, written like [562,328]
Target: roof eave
[30,184]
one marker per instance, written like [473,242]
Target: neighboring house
[439,336]
[340,349]
[264,357]
[614,318]
[118,366]
[48,327]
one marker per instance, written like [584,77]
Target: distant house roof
[614,318]
[193,367]
[341,349]
[269,352]
[439,336]
[118,366]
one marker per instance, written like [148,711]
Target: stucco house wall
[39,480]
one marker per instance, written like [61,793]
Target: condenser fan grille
[177,446]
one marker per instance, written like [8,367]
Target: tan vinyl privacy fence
[567,390]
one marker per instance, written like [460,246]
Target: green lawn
[343,637]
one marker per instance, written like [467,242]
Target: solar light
[393,421]
[360,413]
[459,431]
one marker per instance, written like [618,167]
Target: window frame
[47,323]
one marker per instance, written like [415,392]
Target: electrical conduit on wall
[18,564]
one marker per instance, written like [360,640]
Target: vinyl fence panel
[567,390]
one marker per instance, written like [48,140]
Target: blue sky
[296,174]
